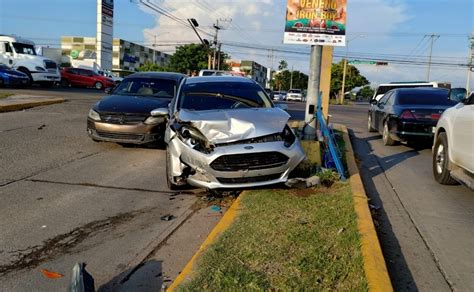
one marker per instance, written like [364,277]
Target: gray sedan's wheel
[169,179]
[369,124]
[98,85]
[387,140]
[441,160]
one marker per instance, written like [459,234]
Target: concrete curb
[374,262]
[9,105]
[223,225]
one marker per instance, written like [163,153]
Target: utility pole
[433,38]
[313,90]
[291,78]
[217,27]
[154,51]
[470,67]
[344,72]
[219,56]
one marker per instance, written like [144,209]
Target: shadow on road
[371,166]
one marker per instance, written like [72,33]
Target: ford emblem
[248,147]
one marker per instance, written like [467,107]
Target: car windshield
[24,49]
[152,87]
[294,91]
[222,95]
[423,97]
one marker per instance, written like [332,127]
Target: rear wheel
[387,140]
[441,161]
[369,124]
[98,85]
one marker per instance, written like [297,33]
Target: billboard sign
[105,23]
[316,22]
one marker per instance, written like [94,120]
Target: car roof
[158,75]
[226,78]
[426,90]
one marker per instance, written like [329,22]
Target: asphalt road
[426,229]
[67,199]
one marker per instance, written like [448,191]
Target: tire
[47,84]
[369,125]
[169,180]
[65,83]
[387,140]
[441,160]
[98,85]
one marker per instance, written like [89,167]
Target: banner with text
[316,22]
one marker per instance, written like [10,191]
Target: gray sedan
[225,132]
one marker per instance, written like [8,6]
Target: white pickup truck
[453,150]
[20,54]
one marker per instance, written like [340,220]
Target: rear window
[384,89]
[222,95]
[436,97]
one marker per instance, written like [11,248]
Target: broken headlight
[194,139]
[288,136]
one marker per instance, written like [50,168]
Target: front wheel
[441,161]
[98,85]
[369,124]
[169,178]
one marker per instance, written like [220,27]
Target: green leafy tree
[194,57]
[282,65]
[353,78]
[152,67]
[282,80]
[366,92]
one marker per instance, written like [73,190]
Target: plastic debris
[215,208]
[167,217]
[41,127]
[51,275]
[303,183]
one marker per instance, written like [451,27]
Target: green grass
[5,94]
[287,240]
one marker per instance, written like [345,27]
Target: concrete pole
[433,36]
[341,98]
[291,78]
[313,91]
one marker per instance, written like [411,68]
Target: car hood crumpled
[224,126]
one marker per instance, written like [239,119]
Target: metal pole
[154,51]
[431,54]
[216,26]
[219,57]
[291,78]
[469,68]
[341,98]
[313,91]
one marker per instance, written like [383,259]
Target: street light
[341,100]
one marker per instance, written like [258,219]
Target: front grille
[122,119]
[50,65]
[251,161]
[246,180]
[121,136]
[262,139]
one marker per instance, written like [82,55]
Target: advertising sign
[105,22]
[316,22]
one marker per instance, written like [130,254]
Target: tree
[366,92]
[282,80]
[283,65]
[194,57]
[353,78]
[152,67]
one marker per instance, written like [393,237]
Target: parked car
[279,95]
[12,77]
[384,88]
[294,95]
[224,132]
[270,93]
[453,150]
[124,116]
[406,114]
[85,78]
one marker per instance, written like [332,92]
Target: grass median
[286,240]
[5,94]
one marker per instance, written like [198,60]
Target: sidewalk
[21,102]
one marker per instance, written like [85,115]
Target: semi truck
[20,54]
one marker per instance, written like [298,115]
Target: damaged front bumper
[234,166]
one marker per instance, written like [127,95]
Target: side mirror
[282,106]
[373,101]
[109,90]
[159,112]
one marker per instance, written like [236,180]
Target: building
[127,56]
[251,69]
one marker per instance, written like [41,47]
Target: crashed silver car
[225,132]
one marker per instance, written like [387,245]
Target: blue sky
[381,28]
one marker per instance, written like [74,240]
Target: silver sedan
[225,132]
